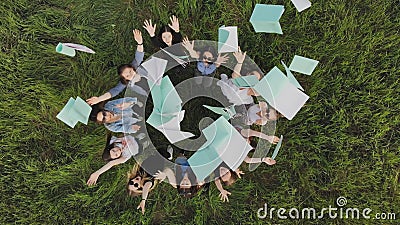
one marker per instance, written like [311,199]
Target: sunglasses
[136,185]
[208,59]
[104,117]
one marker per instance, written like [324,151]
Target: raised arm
[252,133]
[189,46]
[146,189]
[267,160]
[94,176]
[166,173]
[240,59]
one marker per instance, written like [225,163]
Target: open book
[224,144]
[227,39]
[74,111]
[265,18]
[155,68]
[280,93]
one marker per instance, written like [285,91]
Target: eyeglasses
[104,117]
[136,185]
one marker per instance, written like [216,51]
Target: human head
[112,151]
[186,183]
[227,176]
[136,179]
[104,116]
[128,73]
[165,34]
[208,54]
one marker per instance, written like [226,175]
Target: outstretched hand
[92,179]
[221,59]
[93,100]
[239,172]
[142,205]
[269,161]
[239,55]
[174,23]
[150,28]
[187,44]
[160,175]
[137,35]
[224,195]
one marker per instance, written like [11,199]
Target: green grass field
[343,143]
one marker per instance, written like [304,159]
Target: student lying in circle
[184,179]
[117,151]
[118,115]
[127,73]
[141,179]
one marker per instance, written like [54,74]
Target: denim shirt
[206,70]
[123,125]
[120,86]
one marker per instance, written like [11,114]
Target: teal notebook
[265,18]
[277,147]
[303,65]
[291,78]
[245,81]
[74,111]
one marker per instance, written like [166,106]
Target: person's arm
[240,59]
[115,105]
[174,25]
[94,100]
[139,54]
[252,133]
[221,59]
[223,193]
[266,160]
[166,173]
[94,176]
[189,46]
[145,193]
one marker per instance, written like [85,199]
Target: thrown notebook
[265,18]
[227,39]
[155,68]
[301,4]
[291,77]
[280,93]
[74,111]
[245,81]
[303,65]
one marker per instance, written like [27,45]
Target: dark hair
[95,110]
[186,192]
[164,28]
[210,49]
[121,69]
[106,152]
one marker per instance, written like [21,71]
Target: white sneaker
[139,104]
[170,150]
[140,136]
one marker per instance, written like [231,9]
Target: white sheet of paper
[79,47]
[229,43]
[291,77]
[155,68]
[301,4]
[172,129]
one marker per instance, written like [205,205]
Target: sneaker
[140,136]
[139,104]
[170,150]
[146,144]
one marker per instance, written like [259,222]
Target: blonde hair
[135,172]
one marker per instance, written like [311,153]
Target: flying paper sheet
[265,18]
[226,145]
[74,111]
[227,39]
[171,128]
[303,65]
[245,81]
[301,4]
[79,47]
[291,78]
[227,113]
[277,90]
[155,68]
[63,49]
[166,99]
[277,147]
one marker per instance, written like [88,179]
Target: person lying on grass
[260,114]
[167,36]
[117,115]
[117,151]
[127,73]
[239,95]
[207,61]
[227,176]
[141,179]
[184,179]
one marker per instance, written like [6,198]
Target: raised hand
[150,28]
[239,55]
[137,35]
[135,127]
[224,195]
[142,205]
[221,59]
[174,23]
[160,175]
[187,44]
[239,172]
